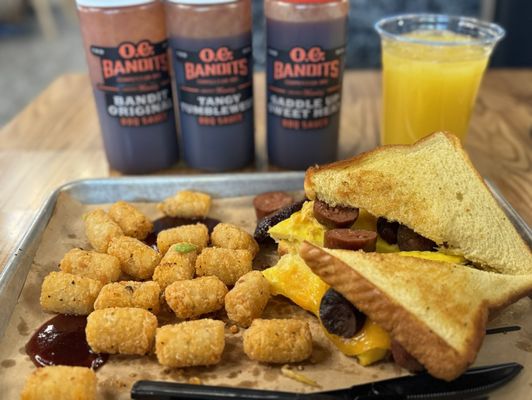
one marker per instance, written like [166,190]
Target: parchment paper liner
[328,367]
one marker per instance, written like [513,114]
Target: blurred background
[40,39]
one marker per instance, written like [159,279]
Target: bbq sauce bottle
[305,60]
[127,54]
[210,43]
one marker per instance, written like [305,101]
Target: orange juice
[429,86]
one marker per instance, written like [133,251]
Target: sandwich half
[436,310]
[432,188]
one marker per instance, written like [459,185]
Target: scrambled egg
[302,226]
[292,278]
[299,227]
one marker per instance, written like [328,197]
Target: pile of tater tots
[191,272]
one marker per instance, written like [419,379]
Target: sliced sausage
[387,230]
[404,359]
[270,202]
[408,240]
[261,231]
[334,217]
[339,316]
[350,239]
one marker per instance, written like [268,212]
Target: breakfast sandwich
[425,205]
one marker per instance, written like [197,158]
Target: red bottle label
[136,82]
[215,84]
[304,85]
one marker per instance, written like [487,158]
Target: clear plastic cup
[432,68]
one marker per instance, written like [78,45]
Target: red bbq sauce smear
[62,341]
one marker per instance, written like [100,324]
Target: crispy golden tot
[137,259]
[100,229]
[233,237]
[177,264]
[186,204]
[60,383]
[278,340]
[132,222]
[102,267]
[69,294]
[195,297]
[190,343]
[247,300]
[130,294]
[196,234]
[226,264]
[121,330]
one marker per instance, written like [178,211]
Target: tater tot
[137,259]
[177,264]
[60,383]
[233,237]
[69,294]
[132,222]
[247,300]
[121,330]
[102,267]
[197,234]
[226,264]
[186,204]
[130,294]
[100,229]
[278,340]
[190,343]
[195,297]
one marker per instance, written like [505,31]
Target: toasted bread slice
[437,311]
[433,188]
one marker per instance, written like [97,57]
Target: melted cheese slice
[292,278]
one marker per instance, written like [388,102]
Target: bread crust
[309,174]
[426,209]
[440,359]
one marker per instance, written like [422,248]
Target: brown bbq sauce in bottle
[210,44]
[127,54]
[305,60]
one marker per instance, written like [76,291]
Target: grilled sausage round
[261,231]
[334,217]
[339,316]
[387,230]
[270,202]
[350,239]
[408,240]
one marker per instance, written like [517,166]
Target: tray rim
[33,234]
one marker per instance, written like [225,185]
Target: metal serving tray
[154,189]
[135,189]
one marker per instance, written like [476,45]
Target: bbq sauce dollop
[62,341]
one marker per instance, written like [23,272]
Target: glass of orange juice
[432,69]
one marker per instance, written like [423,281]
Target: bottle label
[304,85]
[136,82]
[215,84]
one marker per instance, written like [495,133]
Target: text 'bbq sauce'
[127,54]
[210,43]
[305,60]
